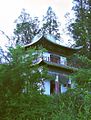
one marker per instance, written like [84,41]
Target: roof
[49,43]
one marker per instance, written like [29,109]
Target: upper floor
[54,58]
[57,55]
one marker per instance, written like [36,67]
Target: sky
[11,9]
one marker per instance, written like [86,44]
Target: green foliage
[26,28]
[20,97]
[78,100]
[19,80]
[80,31]
[80,28]
[72,105]
[50,24]
[83,75]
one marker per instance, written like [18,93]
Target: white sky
[11,9]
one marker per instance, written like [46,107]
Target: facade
[56,59]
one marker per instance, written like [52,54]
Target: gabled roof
[49,43]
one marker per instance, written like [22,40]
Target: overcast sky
[11,9]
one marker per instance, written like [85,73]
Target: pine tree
[80,29]
[50,24]
[81,33]
[26,28]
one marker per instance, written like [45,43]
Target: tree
[3,56]
[0,55]
[20,67]
[80,29]
[26,28]
[50,24]
[20,79]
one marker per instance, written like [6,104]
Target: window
[63,60]
[55,59]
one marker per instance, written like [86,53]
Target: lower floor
[59,84]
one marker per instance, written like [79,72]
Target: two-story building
[56,60]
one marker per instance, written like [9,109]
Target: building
[56,60]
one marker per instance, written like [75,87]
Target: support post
[56,85]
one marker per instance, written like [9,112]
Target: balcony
[53,58]
[55,61]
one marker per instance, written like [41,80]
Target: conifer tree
[26,28]
[81,28]
[50,24]
[81,33]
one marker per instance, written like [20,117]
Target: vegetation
[28,27]
[51,24]
[19,79]
[20,95]
[80,29]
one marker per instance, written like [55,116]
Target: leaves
[26,28]
[80,27]
[50,24]
[18,78]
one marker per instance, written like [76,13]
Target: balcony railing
[54,59]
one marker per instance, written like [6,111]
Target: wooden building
[56,60]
